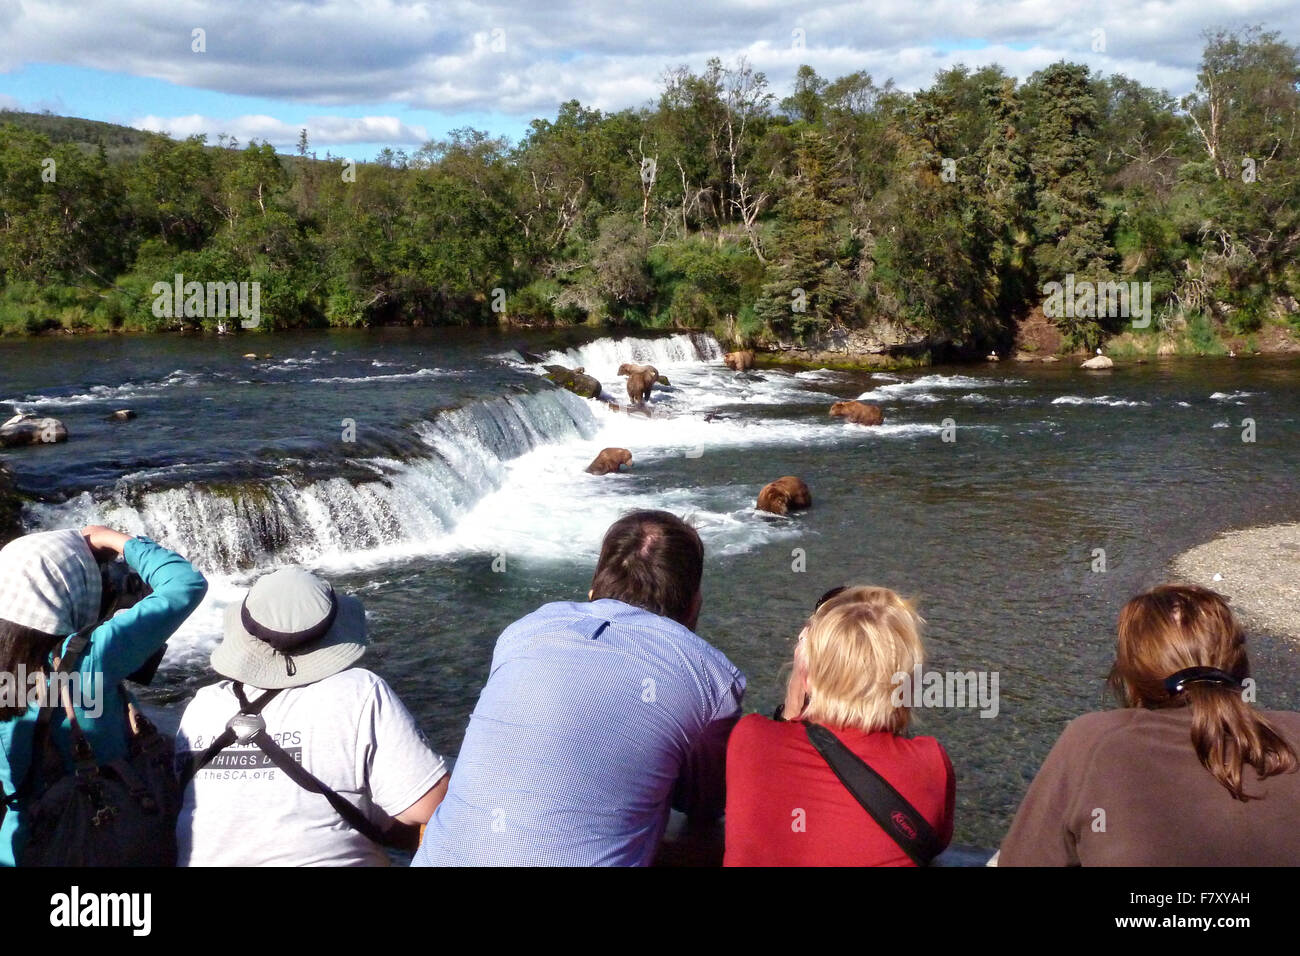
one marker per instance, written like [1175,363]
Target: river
[985,495]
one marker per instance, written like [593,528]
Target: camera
[122,589]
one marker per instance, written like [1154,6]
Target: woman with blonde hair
[832,781]
[1187,773]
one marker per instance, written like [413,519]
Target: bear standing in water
[640,382]
[610,460]
[741,361]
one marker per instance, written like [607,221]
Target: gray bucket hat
[291,629]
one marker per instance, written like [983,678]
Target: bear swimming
[783,495]
[860,413]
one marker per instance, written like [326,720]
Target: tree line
[718,207]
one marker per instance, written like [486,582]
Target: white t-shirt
[349,730]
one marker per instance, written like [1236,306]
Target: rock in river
[31,430]
[579,383]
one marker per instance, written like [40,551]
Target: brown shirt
[1125,788]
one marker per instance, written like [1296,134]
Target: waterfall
[237,526]
[603,356]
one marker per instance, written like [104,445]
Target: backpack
[119,813]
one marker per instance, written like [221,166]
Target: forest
[770,221]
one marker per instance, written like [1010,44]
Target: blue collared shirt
[595,720]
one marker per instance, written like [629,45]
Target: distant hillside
[118,141]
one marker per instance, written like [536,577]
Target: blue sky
[364,74]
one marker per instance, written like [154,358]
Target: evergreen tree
[809,289]
[1004,192]
[1070,221]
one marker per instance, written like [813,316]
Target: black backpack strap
[75,647]
[255,733]
[898,818]
[305,779]
[227,736]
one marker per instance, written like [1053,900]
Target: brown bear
[860,413]
[784,494]
[609,460]
[627,368]
[640,383]
[741,361]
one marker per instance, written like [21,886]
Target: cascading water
[605,355]
[240,526]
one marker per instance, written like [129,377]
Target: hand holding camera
[105,543]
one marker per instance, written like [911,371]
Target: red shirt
[786,807]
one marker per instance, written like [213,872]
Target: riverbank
[1258,569]
[881,347]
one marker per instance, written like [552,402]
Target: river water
[406,464]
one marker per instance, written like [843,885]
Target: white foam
[395,377]
[922,389]
[98,394]
[1106,400]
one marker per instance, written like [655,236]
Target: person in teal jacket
[50,588]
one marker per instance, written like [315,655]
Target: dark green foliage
[721,207]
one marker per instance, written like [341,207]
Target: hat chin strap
[285,641]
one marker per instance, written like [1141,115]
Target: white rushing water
[504,476]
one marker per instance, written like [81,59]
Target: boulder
[579,383]
[1099,361]
[121,415]
[31,430]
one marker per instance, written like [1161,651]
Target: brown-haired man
[597,718]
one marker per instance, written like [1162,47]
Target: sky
[361,75]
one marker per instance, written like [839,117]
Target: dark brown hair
[652,560]
[1171,628]
[22,648]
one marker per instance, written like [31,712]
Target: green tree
[1070,220]
[809,291]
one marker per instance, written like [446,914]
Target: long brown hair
[1174,627]
[23,651]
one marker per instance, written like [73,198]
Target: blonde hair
[852,648]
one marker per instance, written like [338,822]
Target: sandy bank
[1260,574]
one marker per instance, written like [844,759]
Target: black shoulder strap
[227,736]
[305,779]
[898,818]
[292,769]
[71,658]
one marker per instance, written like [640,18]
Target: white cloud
[320,129]
[524,58]
[8,103]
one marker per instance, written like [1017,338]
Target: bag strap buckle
[245,727]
